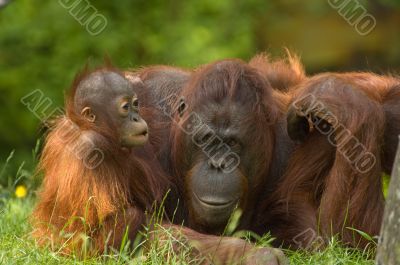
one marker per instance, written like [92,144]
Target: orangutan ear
[88,114]
[181,107]
[298,126]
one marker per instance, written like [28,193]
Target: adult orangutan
[346,126]
[228,144]
[100,177]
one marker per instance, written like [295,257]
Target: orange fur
[322,190]
[100,201]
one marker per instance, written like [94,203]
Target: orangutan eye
[231,142]
[125,106]
[135,103]
[207,136]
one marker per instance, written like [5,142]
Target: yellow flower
[20,191]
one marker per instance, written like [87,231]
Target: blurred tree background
[42,46]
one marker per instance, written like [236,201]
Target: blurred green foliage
[42,46]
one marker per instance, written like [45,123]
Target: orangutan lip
[140,135]
[214,204]
[143,133]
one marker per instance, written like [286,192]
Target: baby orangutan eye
[125,106]
[135,103]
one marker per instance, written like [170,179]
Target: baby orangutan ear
[88,114]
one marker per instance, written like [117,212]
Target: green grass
[16,246]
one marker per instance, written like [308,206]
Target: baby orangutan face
[107,99]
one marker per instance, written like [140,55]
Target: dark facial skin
[216,180]
[107,99]
[223,143]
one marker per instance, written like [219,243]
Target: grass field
[16,246]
